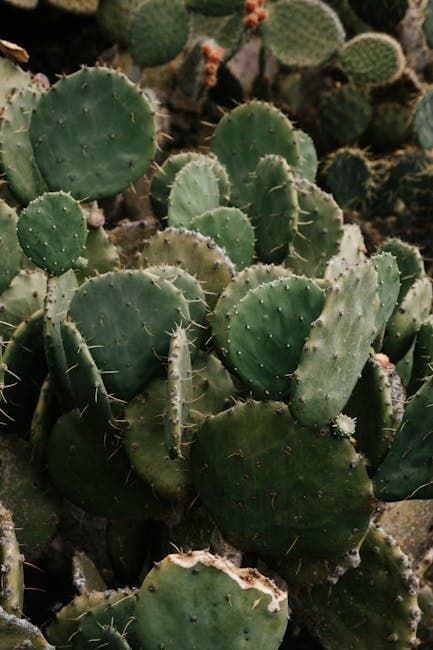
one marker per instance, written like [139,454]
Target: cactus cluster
[252,387]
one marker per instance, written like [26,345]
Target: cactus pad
[10,251]
[216,7]
[318,231]
[314,28]
[371,58]
[246,467]
[179,391]
[346,322]
[196,254]
[245,135]
[158,30]
[339,615]
[52,232]
[17,158]
[267,332]
[100,161]
[274,208]
[231,229]
[127,316]
[220,606]
[194,191]
[95,477]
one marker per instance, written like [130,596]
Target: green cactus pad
[18,633]
[194,191]
[107,607]
[101,254]
[213,388]
[388,286]
[406,472]
[405,365]
[410,263]
[59,294]
[13,77]
[179,391]
[17,158]
[101,161]
[423,120]
[308,162]
[273,208]
[245,135]
[256,470]
[231,229]
[315,32]
[114,17]
[52,232]
[97,479]
[127,316]
[371,405]
[158,30]
[346,113]
[407,318]
[25,371]
[164,176]
[247,279]
[146,447]
[10,251]
[372,58]
[196,254]
[90,395]
[24,296]
[267,332]
[422,357]
[11,566]
[194,296]
[351,250]
[339,615]
[349,177]
[318,231]
[220,606]
[25,491]
[44,417]
[327,374]
[216,7]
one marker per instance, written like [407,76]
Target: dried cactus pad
[52,232]
[198,600]
[93,133]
